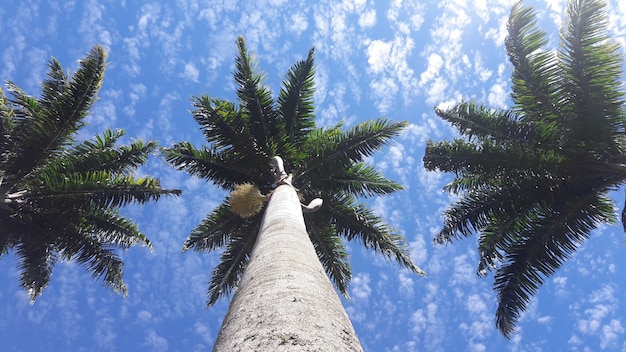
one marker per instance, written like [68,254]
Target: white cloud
[155,342]
[483,72]
[388,62]
[419,250]
[191,72]
[499,94]
[406,284]
[297,24]
[498,34]
[406,16]
[367,19]
[360,287]
[600,318]
[204,333]
[435,63]
[165,110]
[144,316]
[464,273]
[481,323]
[556,10]
[137,92]
[103,113]
[105,333]
[560,283]
[384,90]
[91,27]
[336,109]
[378,53]
[611,333]
[427,322]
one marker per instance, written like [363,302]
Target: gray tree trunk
[285,301]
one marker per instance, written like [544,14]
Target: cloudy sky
[394,58]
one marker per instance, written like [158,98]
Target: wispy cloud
[599,319]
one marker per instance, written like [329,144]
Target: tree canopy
[534,179]
[325,162]
[61,197]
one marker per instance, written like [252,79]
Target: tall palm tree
[61,198]
[325,163]
[534,179]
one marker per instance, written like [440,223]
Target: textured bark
[285,301]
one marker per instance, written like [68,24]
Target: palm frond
[592,71]
[98,155]
[487,161]
[108,226]
[218,227]
[475,121]
[223,125]
[477,209]
[98,258]
[233,262]
[35,263]
[536,75]
[48,124]
[340,150]
[296,100]
[544,245]
[357,222]
[7,122]
[224,170]
[54,85]
[331,251]
[99,189]
[360,179]
[256,101]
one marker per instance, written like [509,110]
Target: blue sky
[394,58]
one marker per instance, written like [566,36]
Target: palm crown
[61,198]
[325,163]
[534,179]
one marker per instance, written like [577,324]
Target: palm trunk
[285,301]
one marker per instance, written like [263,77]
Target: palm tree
[61,198]
[325,163]
[534,179]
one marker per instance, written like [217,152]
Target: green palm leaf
[223,125]
[256,102]
[35,264]
[296,100]
[340,150]
[592,71]
[360,179]
[215,230]
[332,252]
[357,222]
[232,264]
[224,169]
